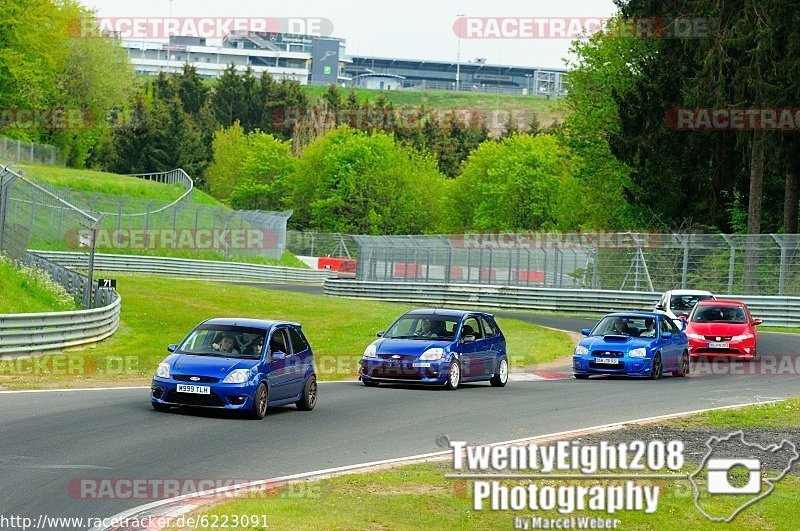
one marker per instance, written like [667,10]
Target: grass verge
[157,311]
[31,291]
[385,499]
[112,184]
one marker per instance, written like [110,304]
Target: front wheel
[500,378]
[684,368]
[309,398]
[259,409]
[454,377]
[657,371]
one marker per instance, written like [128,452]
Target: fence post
[6,182]
[685,272]
[782,272]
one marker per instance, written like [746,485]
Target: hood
[211,366]
[409,347]
[717,329]
[618,343]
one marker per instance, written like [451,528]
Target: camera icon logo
[720,471]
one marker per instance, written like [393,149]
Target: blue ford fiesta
[438,347]
[633,344]
[238,364]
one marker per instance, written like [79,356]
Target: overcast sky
[419,29]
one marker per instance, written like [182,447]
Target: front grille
[188,378]
[595,365]
[186,399]
[607,354]
[396,373]
[718,339]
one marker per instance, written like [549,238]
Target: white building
[380,81]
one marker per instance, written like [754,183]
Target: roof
[444,313]
[720,302]
[688,292]
[650,315]
[390,76]
[247,323]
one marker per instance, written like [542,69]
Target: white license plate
[194,389]
[422,365]
[607,361]
[719,345]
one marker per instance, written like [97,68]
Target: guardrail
[775,311]
[184,267]
[37,332]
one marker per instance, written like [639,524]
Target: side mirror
[380,334]
[278,356]
[468,339]
[757,321]
[586,332]
[683,322]
[660,306]
[666,335]
[172,348]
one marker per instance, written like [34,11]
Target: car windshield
[632,326]
[224,341]
[719,314]
[424,327]
[684,304]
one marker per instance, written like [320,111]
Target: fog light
[158,393]
[237,400]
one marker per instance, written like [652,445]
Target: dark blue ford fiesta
[438,347]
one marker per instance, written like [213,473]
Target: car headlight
[237,377]
[638,353]
[371,352]
[163,370]
[580,350]
[695,336]
[743,338]
[432,354]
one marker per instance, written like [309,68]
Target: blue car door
[301,360]
[672,346]
[280,365]
[494,345]
[472,354]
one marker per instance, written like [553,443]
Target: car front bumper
[405,371]
[222,396]
[626,367]
[736,349]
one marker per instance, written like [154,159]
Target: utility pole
[458,59]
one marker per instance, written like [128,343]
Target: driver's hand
[215,346]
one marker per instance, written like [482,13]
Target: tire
[500,378]
[309,398]
[582,376]
[260,403]
[657,372]
[684,368]
[160,407]
[454,376]
[370,383]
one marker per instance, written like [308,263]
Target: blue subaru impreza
[633,344]
[238,364]
[438,347]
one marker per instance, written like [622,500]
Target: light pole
[458,59]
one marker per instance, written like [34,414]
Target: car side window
[471,328]
[299,344]
[488,329]
[278,342]
[668,326]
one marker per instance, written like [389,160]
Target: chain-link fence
[30,152]
[30,214]
[726,264]
[152,226]
[333,245]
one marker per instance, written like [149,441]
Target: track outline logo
[769,481]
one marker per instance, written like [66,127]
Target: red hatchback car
[722,328]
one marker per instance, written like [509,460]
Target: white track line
[132,513]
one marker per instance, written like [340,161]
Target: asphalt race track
[49,439]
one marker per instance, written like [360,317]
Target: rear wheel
[259,409]
[309,398]
[454,377]
[500,378]
[657,372]
[684,368]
